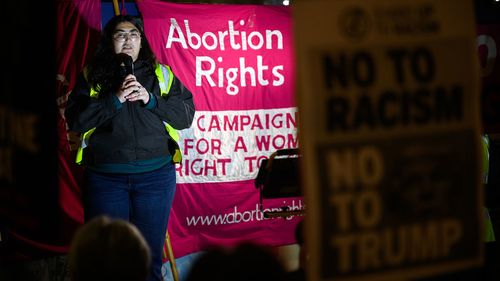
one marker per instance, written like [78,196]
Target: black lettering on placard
[360,68]
[343,69]
[419,62]
[391,109]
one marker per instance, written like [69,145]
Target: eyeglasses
[122,36]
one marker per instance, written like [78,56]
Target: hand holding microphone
[135,90]
[131,89]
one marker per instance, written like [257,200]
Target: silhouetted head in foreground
[244,262]
[106,249]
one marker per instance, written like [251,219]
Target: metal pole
[171,258]
[115,7]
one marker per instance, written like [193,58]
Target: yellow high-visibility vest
[489,231]
[165,78]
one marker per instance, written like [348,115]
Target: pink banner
[233,57]
[237,60]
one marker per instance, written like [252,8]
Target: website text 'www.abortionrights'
[237,216]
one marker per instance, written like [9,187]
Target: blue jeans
[144,199]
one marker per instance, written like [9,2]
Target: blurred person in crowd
[244,262]
[106,249]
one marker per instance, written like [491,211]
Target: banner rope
[115,7]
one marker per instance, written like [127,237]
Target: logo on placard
[354,23]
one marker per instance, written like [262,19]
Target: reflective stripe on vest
[163,73]
[94,93]
[489,230]
[486,157]
[84,142]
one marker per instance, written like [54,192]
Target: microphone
[127,63]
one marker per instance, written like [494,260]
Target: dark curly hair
[102,70]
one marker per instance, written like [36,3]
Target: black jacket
[133,132]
